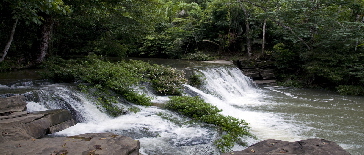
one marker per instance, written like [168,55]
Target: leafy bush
[194,107]
[7,65]
[350,90]
[106,99]
[119,77]
[195,80]
[166,80]
[198,56]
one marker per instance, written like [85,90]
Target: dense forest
[313,43]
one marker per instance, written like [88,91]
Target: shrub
[350,90]
[195,80]
[194,107]
[105,99]
[119,77]
[198,56]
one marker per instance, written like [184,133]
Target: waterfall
[161,131]
[230,90]
[58,96]
[272,112]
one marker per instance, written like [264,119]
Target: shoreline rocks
[261,72]
[17,124]
[303,147]
[85,144]
[20,132]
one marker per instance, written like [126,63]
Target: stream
[272,112]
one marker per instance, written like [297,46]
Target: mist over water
[272,113]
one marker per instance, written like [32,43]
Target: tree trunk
[7,46]
[247,32]
[263,38]
[46,35]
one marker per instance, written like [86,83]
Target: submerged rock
[303,147]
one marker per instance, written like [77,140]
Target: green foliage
[194,107]
[7,66]
[119,77]
[195,80]
[137,98]
[106,99]
[234,128]
[198,56]
[176,33]
[285,59]
[315,41]
[350,90]
[134,109]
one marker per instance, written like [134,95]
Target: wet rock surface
[17,124]
[85,144]
[20,130]
[303,147]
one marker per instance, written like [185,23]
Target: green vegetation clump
[120,77]
[195,80]
[198,56]
[350,90]
[194,107]
[105,99]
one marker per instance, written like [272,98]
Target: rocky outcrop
[86,144]
[20,130]
[262,72]
[12,104]
[16,124]
[303,147]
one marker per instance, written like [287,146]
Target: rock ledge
[303,147]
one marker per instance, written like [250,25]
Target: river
[272,112]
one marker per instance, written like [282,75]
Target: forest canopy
[316,43]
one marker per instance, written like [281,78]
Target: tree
[112,27]
[37,12]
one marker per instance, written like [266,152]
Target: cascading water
[159,131]
[272,113]
[230,90]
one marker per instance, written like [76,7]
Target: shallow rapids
[272,113]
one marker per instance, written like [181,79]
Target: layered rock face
[17,124]
[86,144]
[262,72]
[20,133]
[303,147]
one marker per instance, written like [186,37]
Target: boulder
[17,124]
[23,125]
[86,144]
[303,147]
